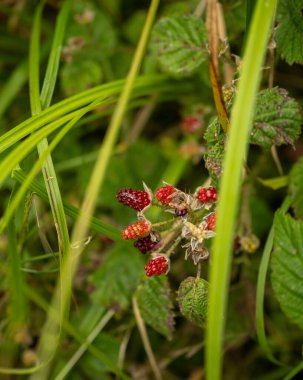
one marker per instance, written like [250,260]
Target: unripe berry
[137,230]
[206,194]
[164,194]
[211,222]
[191,124]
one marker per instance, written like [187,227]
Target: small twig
[228,69]
[81,350]
[123,347]
[200,8]
[198,271]
[145,340]
[141,119]
[276,159]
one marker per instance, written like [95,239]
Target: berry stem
[165,222]
[173,246]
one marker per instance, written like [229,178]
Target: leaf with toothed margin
[179,42]
[156,308]
[277,118]
[117,277]
[287,266]
[192,298]
[215,141]
[289,34]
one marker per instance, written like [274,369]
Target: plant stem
[145,340]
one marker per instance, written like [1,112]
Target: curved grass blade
[144,85]
[37,104]
[62,295]
[261,291]
[58,205]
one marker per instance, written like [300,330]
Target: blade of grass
[59,215]
[13,86]
[241,119]
[49,341]
[294,371]
[95,224]
[84,346]
[144,86]
[263,269]
[74,332]
[15,280]
[40,102]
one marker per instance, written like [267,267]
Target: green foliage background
[73,79]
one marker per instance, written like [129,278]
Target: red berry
[211,222]
[206,194]
[136,199]
[145,244]
[137,230]
[191,124]
[157,266]
[164,194]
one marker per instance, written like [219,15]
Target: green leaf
[296,188]
[154,301]
[215,141]
[180,44]
[192,298]
[88,73]
[118,277]
[289,35]
[277,118]
[287,266]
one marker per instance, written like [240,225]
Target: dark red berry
[206,194]
[182,211]
[135,199]
[191,124]
[145,244]
[164,194]
[211,222]
[137,230]
[157,266]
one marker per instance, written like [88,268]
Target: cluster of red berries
[181,205]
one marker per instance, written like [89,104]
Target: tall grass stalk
[62,295]
[241,120]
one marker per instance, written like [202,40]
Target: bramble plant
[151,190]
